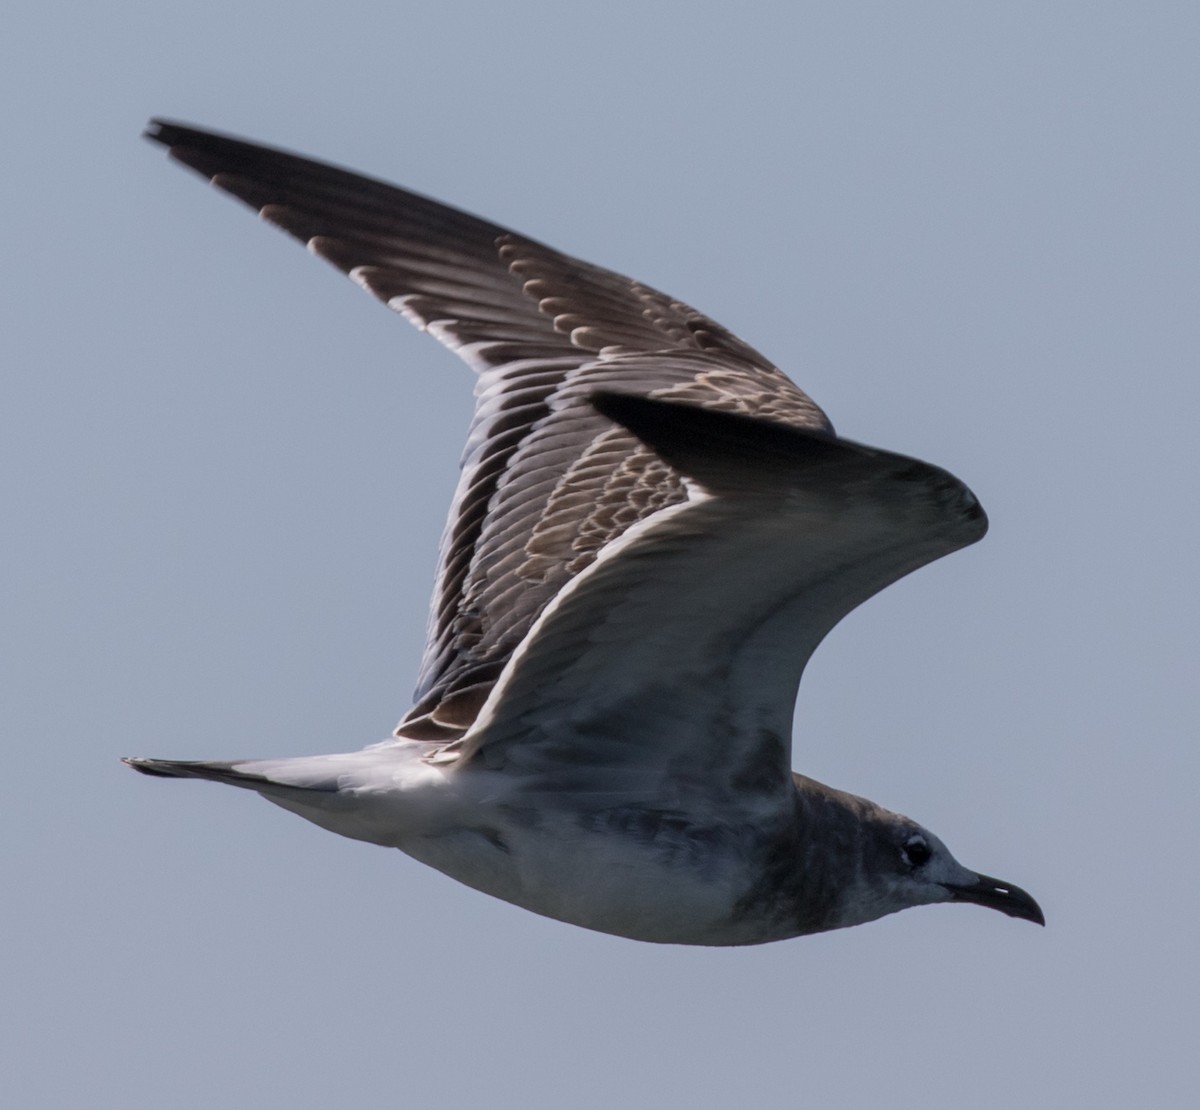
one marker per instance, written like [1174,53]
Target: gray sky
[968,230]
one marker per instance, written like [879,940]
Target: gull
[652,532]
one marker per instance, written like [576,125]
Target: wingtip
[720,448]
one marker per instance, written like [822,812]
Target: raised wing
[672,662]
[546,482]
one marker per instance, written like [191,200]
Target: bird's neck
[814,868]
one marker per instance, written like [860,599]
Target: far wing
[545,483]
[675,657]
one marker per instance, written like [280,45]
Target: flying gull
[653,530]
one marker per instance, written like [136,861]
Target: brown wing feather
[546,482]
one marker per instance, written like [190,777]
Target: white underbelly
[626,868]
[645,891]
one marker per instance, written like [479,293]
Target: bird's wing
[675,657]
[545,482]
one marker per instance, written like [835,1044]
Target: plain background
[969,230]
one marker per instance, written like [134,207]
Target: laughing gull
[653,530]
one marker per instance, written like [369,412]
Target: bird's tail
[249,773]
[368,795]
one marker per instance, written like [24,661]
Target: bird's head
[904,864]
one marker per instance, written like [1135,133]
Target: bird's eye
[916,851]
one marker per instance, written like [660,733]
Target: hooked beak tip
[999,895]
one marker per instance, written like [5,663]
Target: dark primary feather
[546,481]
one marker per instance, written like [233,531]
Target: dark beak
[997,895]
